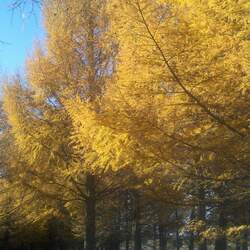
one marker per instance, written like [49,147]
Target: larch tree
[181,91]
[75,64]
[142,101]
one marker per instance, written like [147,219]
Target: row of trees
[130,128]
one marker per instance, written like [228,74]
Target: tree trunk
[191,237]
[127,243]
[154,236]
[221,241]
[245,242]
[6,240]
[178,243]
[201,214]
[177,239]
[137,236]
[237,245]
[162,237]
[128,222]
[90,207]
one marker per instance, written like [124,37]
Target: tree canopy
[130,128]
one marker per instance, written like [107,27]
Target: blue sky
[19,29]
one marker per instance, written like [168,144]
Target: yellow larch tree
[74,64]
[181,90]
[159,86]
